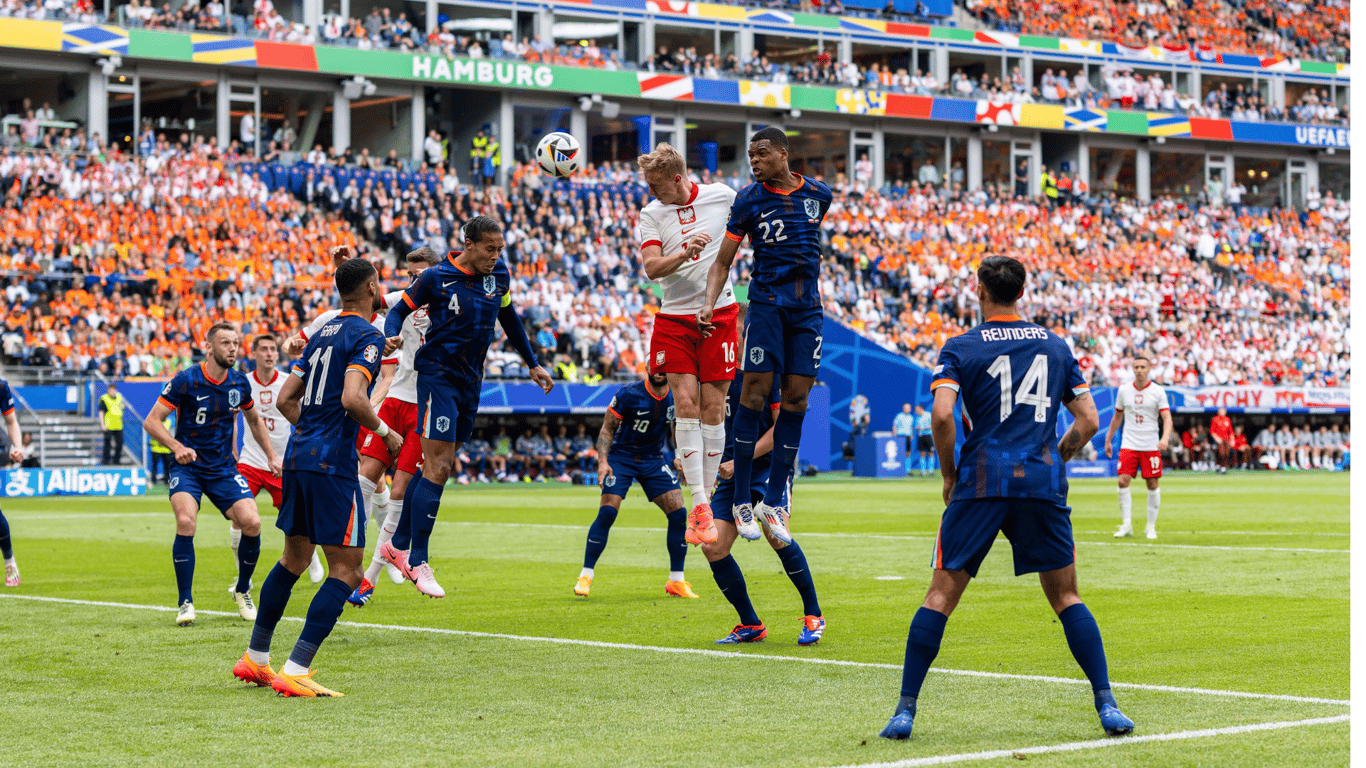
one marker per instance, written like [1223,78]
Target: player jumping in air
[16,455]
[207,399]
[1141,405]
[681,232]
[327,398]
[1012,376]
[464,295]
[631,448]
[781,214]
[723,566]
[252,464]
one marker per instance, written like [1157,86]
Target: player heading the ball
[781,213]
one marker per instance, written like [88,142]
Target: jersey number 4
[1033,390]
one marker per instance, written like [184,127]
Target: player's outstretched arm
[288,399]
[610,423]
[154,428]
[716,282]
[356,400]
[516,333]
[1087,424]
[945,433]
[262,438]
[1115,421]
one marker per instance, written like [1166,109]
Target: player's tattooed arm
[1087,423]
[610,423]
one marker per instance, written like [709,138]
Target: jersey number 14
[1033,389]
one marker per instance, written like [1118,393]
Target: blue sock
[787,435]
[731,582]
[322,616]
[426,502]
[597,535]
[674,538]
[794,562]
[6,548]
[248,552]
[403,537]
[1083,637]
[274,598]
[922,645]
[746,427]
[182,555]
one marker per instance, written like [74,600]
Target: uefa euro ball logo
[371,353]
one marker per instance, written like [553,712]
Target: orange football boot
[301,685]
[249,671]
[679,589]
[701,529]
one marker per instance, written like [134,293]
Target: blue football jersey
[206,411]
[463,309]
[784,228]
[324,440]
[645,421]
[6,399]
[733,405]
[1012,376]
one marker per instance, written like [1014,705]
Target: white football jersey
[671,227]
[1142,415]
[266,396]
[377,320]
[414,333]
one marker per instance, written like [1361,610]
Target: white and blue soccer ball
[559,154]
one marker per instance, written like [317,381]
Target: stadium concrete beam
[1142,169]
[98,99]
[974,160]
[341,121]
[507,135]
[419,121]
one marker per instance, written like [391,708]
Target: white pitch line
[1230,533]
[167,514]
[1077,746]
[721,654]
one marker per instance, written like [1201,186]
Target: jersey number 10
[1033,390]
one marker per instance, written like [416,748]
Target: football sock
[388,523]
[597,536]
[787,435]
[713,447]
[1126,507]
[794,562]
[746,429]
[426,503]
[182,555]
[318,623]
[1083,638]
[731,581]
[688,432]
[6,547]
[675,539]
[274,597]
[248,552]
[403,534]
[367,491]
[1154,504]
[586,572]
[922,645]
[379,502]
[234,538]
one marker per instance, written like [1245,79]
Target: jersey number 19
[1033,390]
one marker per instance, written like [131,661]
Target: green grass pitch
[1245,591]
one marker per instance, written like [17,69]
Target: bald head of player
[483,244]
[666,174]
[1000,284]
[768,156]
[358,285]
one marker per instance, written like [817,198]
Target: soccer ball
[558,154]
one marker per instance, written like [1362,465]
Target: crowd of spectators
[1266,28]
[119,263]
[1226,444]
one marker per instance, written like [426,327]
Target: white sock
[387,524]
[367,491]
[293,670]
[1154,502]
[1126,506]
[675,575]
[689,435]
[9,561]
[378,501]
[258,657]
[235,534]
[586,572]
[713,446]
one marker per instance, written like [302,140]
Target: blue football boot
[744,634]
[899,727]
[1114,722]
[362,594]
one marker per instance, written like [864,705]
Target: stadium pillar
[223,110]
[507,135]
[744,44]
[341,121]
[879,157]
[939,64]
[846,50]
[1143,173]
[431,16]
[647,40]
[99,105]
[681,132]
[313,13]
[419,121]
[1083,159]
[308,132]
[578,128]
[974,161]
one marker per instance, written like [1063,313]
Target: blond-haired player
[680,234]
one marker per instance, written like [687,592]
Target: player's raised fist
[293,346]
[542,378]
[696,244]
[340,254]
[185,455]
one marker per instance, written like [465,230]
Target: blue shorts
[1040,534]
[723,499]
[783,339]
[223,487]
[328,509]
[446,407]
[655,476]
